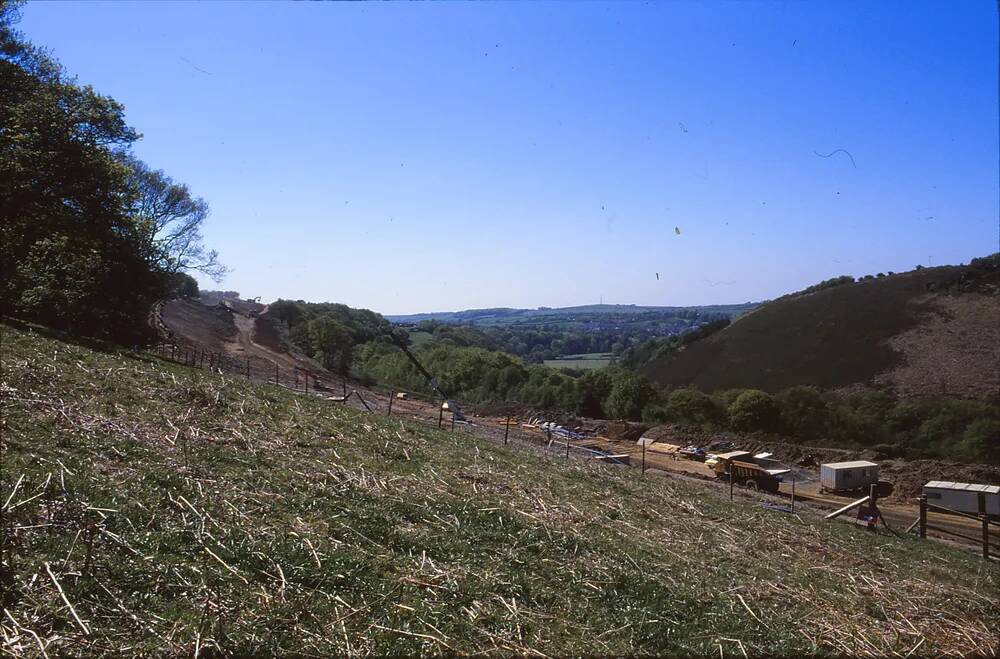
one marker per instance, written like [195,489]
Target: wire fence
[513,429]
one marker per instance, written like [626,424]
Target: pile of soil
[909,476]
[266,333]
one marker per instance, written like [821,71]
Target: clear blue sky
[435,156]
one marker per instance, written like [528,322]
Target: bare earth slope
[927,331]
[240,329]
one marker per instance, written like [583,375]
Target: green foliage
[331,332]
[630,393]
[982,438]
[74,257]
[804,412]
[754,410]
[693,406]
[181,284]
[549,334]
[332,343]
[659,347]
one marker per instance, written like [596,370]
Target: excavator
[448,404]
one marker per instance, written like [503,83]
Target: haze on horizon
[442,156]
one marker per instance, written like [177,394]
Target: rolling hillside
[547,315]
[150,508]
[928,331]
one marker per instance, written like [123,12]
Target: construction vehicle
[432,382]
[719,463]
[693,453]
[755,477]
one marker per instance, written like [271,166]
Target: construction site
[237,337]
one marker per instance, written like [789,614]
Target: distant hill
[928,331]
[507,316]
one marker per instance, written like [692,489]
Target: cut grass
[181,511]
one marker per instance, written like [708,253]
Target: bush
[692,406]
[803,412]
[629,395]
[981,440]
[754,410]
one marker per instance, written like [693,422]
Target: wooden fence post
[986,536]
[201,364]
[567,448]
[440,414]
[453,421]
[923,516]
[793,495]
[506,430]
[873,504]
[642,470]
[391,396]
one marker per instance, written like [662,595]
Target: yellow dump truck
[720,462]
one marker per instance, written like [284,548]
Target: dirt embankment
[192,324]
[954,351]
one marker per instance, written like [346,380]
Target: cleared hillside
[929,331]
[150,507]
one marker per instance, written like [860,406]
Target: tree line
[92,236]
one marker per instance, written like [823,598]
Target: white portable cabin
[843,476]
[964,497]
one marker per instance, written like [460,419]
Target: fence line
[984,519]
[299,380]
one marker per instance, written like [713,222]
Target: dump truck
[719,463]
[755,477]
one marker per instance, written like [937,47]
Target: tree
[803,411]
[981,440]
[71,258]
[629,395]
[332,342]
[692,406]
[754,410]
[183,285]
[74,254]
[170,220]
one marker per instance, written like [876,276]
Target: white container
[964,497]
[848,476]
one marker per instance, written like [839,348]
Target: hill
[149,507]
[932,331]
[579,314]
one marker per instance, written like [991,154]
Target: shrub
[803,412]
[981,440]
[629,395]
[692,406]
[754,410]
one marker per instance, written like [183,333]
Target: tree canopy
[76,253]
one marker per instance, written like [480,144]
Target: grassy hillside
[841,335]
[153,508]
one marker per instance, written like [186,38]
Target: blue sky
[411,157]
